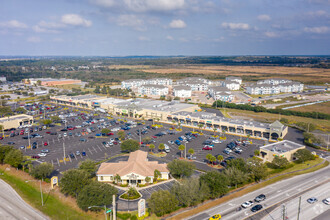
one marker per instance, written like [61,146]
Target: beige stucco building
[134,171]
[16,121]
[280,149]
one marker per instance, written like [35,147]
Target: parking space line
[58,162]
[90,151]
[99,147]
[94,149]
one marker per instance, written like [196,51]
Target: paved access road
[275,193]
[12,205]
[307,211]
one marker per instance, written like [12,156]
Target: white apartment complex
[231,85]
[221,93]
[157,90]
[274,81]
[182,91]
[136,83]
[195,83]
[266,89]
[235,79]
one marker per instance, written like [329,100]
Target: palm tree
[248,136]
[179,125]
[161,146]
[173,122]
[214,130]
[181,148]
[200,127]
[117,178]
[220,158]
[152,147]
[208,157]
[212,159]
[191,151]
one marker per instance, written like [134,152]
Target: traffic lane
[12,206]
[307,211]
[324,216]
[275,193]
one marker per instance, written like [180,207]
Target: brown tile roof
[137,163]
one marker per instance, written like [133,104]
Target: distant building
[45,92]
[221,93]
[136,83]
[51,81]
[157,90]
[195,83]
[231,85]
[3,79]
[274,81]
[283,149]
[182,91]
[132,172]
[16,121]
[268,89]
[235,79]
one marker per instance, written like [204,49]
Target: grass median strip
[53,207]
[242,192]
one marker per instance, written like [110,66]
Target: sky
[164,27]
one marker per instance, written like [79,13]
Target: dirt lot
[260,72]
[321,107]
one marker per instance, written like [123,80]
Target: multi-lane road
[285,191]
[12,206]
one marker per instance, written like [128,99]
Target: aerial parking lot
[77,136]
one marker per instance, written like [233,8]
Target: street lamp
[105,209]
[42,198]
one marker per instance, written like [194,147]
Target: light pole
[29,138]
[105,209]
[42,198]
[185,150]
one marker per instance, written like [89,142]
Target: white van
[167,148]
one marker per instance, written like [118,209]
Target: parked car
[44,151]
[77,152]
[167,148]
[42,154]
[83,153]
[256,208]
[35,157]
[206,147]
[45,144]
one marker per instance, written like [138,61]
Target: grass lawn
[53,206]
[323,107]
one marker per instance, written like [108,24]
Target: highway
[276,194]
[12,206]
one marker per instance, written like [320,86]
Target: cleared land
[254,72]
[320,107]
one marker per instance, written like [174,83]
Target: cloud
[13,24]
[264,17]
[177,24]
[235,26]
[317,30]
[131,21]
[219,39]
[168,37]
[154,5]
[142,38]
[103,3]
[271,34]
[75,20]
[33,39]
[48,27]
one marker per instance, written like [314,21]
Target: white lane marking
[9,207]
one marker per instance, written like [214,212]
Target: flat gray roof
[282,146]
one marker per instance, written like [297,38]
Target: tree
[146,140]
[117,178]
[235,176]
[212,159]
[200,127]
[256,152]
[130,145]
[303,155]
[4,150]
[14,158]
[214,130]
[147,179]
[256,169]
[20,110]
[121,135]
[217,183]
[208,157]
[220,158]
[191,151]
[280,162]
[106,131]
[42,171]
[46,121]
[152,147]
[73,181]
[157,174]
[238,163]
[181,148]
[181,168]
[89,166]
[161,146]
[56,118]
[162,202]
[96,194]
[190,192]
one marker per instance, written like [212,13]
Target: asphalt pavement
[12,206]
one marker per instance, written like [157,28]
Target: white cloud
[142,38]
[131,21]
[271,34]
[235,26]
[103,3]
[220,39]
[13,24]
[48,27]
[317,30]
[33,39]
[169,37]
[154,5]
[75,20]
[177,24]
[264,17]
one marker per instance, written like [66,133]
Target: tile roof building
[133,171]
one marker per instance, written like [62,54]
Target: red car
[48,132]
[207,148]
[35,157]
[45,144]
[110,134]
[70,129]
[153,136]
[115,142]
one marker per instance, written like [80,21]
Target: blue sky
[164,27]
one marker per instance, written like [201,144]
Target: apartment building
[269,89]
[274,81]
[221,93]
[235,79]
[182,91]
[157,90]
[195,83]
[231,85]
[136,83]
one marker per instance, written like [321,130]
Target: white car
[42,154]
[167,148]
[326,201]
[216,141]
[247,204]
[65,134]
[78,126]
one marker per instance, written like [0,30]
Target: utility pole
[185,150]
[283,212]
[29,139]
[114,206]
[299,207]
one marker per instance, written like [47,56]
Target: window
[101,177]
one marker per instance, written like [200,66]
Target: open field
[257,72]
[323,107]
[69,86]
[268,117]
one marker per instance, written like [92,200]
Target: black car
[256,208]
[72,155]
[53,133]
[260,198]
[64,129]
[11,143]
